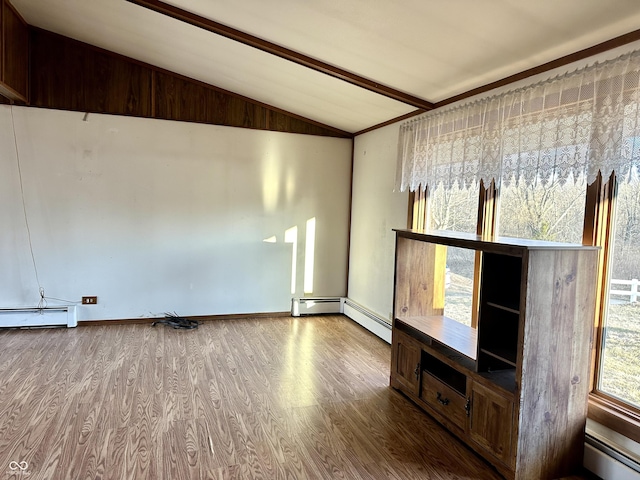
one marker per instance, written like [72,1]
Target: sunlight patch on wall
[290,186]
[291,236]
[271,182]
[309,255]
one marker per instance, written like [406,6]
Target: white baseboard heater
[39,317]
[368,319]
[315,306]
[608,462]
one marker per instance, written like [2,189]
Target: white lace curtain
[571,125]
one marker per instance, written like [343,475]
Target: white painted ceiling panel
[432,49]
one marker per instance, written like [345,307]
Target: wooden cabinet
[515,388]
[14,54]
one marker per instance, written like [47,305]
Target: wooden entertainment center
[515,388]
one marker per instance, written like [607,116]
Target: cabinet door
[405,363]
[491,421]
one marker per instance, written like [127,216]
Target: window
[543,210]
[456,209]
[619,369]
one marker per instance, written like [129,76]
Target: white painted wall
[155,216]
[375,210]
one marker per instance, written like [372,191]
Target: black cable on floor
[175,321]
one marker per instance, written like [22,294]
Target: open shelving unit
[515,388]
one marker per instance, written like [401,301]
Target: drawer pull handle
[443,401]
[416,372]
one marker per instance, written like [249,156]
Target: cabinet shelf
[504,355]
[504,379]
[449,376]
[504,308]
[453,356]
[448,332]
[498,336]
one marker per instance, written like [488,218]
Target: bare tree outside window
[543,210]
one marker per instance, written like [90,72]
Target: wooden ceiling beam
[282,52]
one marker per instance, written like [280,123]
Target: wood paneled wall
[66,75]
[70,75]
[14,54]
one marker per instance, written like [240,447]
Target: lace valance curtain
[568,126]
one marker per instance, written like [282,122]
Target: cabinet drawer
[446,401]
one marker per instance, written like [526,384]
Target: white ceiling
[432,49]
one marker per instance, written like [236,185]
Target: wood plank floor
[290,398]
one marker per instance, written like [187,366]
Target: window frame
[600,209]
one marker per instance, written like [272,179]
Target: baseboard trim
[368,319]
[200,318]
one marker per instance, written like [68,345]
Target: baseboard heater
[368,319]
[39,317]
[609,462]
[315,306]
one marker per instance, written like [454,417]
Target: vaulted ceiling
[421,51]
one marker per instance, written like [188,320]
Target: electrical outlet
[89,300]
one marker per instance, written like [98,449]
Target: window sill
[612,415]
